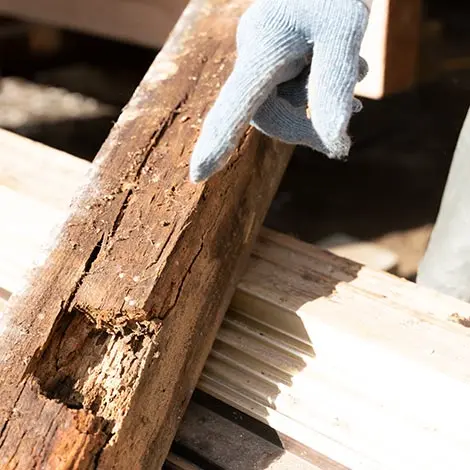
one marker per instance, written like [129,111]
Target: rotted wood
[101,353]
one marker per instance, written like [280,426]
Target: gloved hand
[294,78]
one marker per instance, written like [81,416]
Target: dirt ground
[388,191]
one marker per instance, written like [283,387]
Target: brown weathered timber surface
[100,355]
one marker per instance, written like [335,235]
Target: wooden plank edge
[145,24]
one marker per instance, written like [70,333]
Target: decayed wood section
[100,355]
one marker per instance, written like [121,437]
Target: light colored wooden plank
[26,227]
[144,23]
[40,172]
[391,48]
[356,364]
[37,184]
[4,296]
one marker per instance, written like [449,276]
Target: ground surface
[389,191]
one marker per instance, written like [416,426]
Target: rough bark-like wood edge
[104,384]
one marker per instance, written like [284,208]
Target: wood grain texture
[391,47]
[323,350]
[100,355]
[40,172]
[37,185]
[146,23]
[360,366]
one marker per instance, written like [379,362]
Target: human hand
[294,77]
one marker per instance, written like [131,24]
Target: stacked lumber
[350,367]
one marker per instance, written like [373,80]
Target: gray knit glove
[294,78]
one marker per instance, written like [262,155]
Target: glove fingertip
[206,161]
[200,170]
[338,149]
[197,176]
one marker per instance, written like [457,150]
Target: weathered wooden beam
[100,355]
[37,184]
